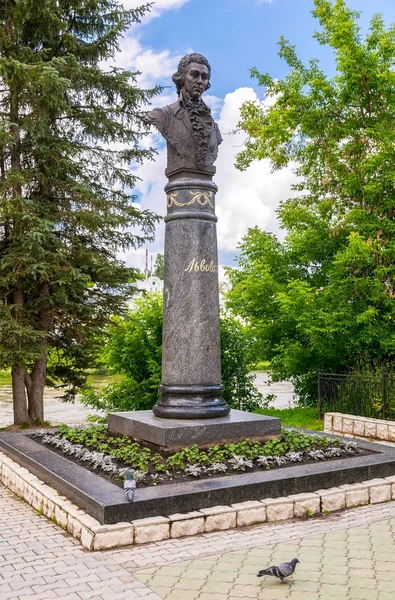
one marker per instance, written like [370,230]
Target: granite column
[191,355]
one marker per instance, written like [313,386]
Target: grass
[262,365]
[98,371]
[296,417]
[5,378]
[25,425]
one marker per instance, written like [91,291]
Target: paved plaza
[350,554]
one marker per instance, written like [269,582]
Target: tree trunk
[36,382]
[21,414]
[18,370]
[36,389]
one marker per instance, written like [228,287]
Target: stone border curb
[361,428]
[94,536]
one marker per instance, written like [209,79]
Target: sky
[234,35]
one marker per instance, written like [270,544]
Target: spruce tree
[69,133]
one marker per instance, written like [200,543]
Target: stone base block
[391,433]
[306,505]
[249,513]
[370,430]
[359,427]
[379,490]
[219,518]
[357,494]
[332,499]
[152,529]
[391,479]
[113,536]
[279,509]
[172,434]
[182,525]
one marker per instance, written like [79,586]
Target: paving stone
[180,595]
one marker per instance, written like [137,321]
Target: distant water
[283,390]
[55,410]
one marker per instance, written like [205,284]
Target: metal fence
[362,395]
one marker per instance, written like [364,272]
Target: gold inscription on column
[202,266]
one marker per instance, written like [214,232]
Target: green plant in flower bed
[141,457]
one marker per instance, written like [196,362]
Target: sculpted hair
[179,76]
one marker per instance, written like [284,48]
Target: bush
[134,349]
[238,357]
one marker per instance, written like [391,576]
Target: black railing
[362,395]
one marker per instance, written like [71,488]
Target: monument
[191,358]
[191,408]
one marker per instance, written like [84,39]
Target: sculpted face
[196,79]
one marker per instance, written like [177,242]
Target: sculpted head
[193,74]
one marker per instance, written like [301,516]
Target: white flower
[40,433]
[240,463]
[77,450]
[333,451]
[280,460]
[265,461]
[86,455]
[350,447]
[217,468]
[294,456]
[316,454]
[96,459]
[194,470]
[47,439]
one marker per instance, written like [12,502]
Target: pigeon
[129,486]
[281,571]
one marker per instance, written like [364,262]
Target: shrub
[134,349]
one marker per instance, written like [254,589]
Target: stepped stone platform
[173,434]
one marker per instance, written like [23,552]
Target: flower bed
[112,457]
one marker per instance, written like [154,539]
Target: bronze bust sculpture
[187,125]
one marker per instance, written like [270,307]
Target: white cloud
[158,6]
[155,67]
[249,198]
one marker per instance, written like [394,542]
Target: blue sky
[238,34]
[234,35]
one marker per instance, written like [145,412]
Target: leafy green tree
[134,349]
[69,131]
[159,266]
[238,357]
[324,298]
